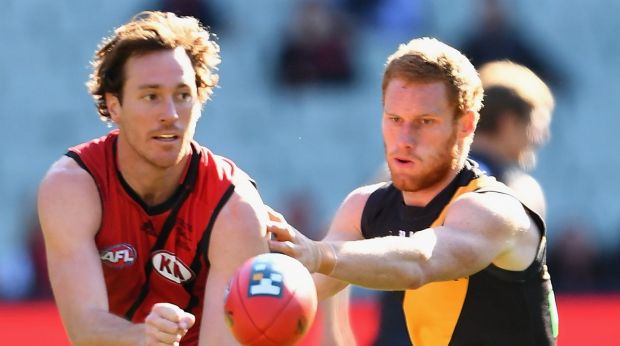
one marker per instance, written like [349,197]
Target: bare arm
[346,225]
[336,322]
[238,234]
[479,229]
[70,215]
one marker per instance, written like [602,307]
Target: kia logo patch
[169,266]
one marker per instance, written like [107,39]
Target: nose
[168,112]
[406,136]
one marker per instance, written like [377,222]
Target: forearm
[327,286]
[336,324]
[101,328]
[389,263]
[85,314]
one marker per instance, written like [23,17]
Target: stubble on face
[166,74]
[434,168]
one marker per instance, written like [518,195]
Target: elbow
[78,340]
[415,263]
[414,282]
[75,336]
[77,329]
[412,277]
[80,337]
[79,334]
[413,270]
[414,285]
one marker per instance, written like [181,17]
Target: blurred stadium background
[298,108]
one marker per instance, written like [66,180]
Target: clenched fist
[166,324]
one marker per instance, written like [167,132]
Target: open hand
[315,256]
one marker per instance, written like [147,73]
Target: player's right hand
[166,324]
[316,256]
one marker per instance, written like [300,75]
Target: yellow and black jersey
[492,307]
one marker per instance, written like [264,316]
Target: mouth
[166,137]
[402,160]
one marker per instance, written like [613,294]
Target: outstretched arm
[479,229]
[239,233]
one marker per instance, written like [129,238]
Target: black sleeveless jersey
[492,307]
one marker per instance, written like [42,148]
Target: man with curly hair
[144,226]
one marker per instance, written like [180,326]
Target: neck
[422,197]
[153,184]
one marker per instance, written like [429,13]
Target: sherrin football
[271,300]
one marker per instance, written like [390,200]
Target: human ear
[467,123]
[114,106]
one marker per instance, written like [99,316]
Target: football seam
[283,307]
[262,331]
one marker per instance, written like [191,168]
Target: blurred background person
[203,10]
[497,38]
[316,47]
[514,124]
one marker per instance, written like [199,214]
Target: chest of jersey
[166,247]
[152,254]
[486,308]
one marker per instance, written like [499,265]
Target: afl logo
[169,266]
[265,280]
[118,256]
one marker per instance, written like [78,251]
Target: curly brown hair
[429,60]
[147,32]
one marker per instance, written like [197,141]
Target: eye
[427,121]
[149,97]
[185,97]
[394,119]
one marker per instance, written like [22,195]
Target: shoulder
[357,198]
[240,228]
[346,224]
[223,167]
[96,145]
[492,211]
[220,164]
[68,201]
[499,217]
[66,174]
[242,206]
[243,209]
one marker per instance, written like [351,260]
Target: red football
[271,300]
